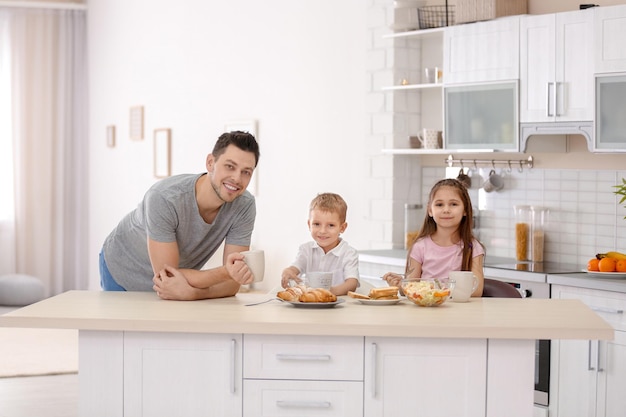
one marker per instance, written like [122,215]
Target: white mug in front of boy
[319,279]
[255,259]
[462,285]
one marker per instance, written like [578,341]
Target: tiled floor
[39,396]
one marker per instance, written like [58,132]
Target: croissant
[318,295]
[290,294]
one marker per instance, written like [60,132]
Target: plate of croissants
[308,297]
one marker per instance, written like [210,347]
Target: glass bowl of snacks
[425,292]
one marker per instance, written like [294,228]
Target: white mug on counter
[255,259]
[319,279]
[462,285]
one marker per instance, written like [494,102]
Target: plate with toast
[377,296]
[378,302]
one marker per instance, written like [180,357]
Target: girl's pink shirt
[437,261]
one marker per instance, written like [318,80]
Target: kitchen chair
[495,288]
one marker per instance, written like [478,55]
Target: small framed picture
[162,153]
[111,136]
[249,126]
[136,123]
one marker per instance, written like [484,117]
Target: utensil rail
[519,163]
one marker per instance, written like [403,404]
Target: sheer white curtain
[43,55]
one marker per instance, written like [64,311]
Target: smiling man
[181,222]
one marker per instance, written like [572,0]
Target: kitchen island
[140,355]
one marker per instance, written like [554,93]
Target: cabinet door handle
[374,362]
[292,357]
[558,96]
[607,310]
[548,100]
[303,404]
[600,369]
[589,367]
[233,364]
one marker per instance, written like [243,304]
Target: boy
[328,252]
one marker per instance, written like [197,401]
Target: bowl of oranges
[608,264]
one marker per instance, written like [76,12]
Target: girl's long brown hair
[465,228]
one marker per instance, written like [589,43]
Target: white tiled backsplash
[585,215]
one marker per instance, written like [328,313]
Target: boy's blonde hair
[332,203]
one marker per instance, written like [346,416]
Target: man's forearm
[226,288]
[206,278]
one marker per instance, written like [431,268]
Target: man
[181,222]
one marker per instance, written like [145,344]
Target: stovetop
[540,267]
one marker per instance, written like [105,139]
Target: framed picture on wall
[249,126]
[162,153]
[111,136]
[136,123]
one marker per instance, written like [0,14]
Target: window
[6,141]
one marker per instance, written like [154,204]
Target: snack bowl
[425,292]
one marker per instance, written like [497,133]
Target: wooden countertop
[480,318]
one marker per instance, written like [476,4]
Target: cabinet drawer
[611,306]
[303,357]
[302,398]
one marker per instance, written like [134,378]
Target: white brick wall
[585,215]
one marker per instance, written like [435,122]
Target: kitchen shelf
[420,33]
[412,87]
[422,151]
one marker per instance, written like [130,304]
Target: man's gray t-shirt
[168,213]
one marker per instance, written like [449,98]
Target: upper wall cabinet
[482,116]
[610,32]
[482,52]
[610,68]
[556,74]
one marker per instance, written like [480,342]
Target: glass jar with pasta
[522,232]
[539,217]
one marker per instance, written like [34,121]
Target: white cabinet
[589,377]
[610,69]
[302,398]
[481,72]
[191,375]
[556,74]
[610,109]
[610,32]
[482,52]
[482,116]
[404,377]
[303,375]
[612,376]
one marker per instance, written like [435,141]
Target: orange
[607,265]
[620,266]
[592,265]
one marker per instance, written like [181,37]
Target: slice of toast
[357,295]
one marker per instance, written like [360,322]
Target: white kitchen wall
[585,215]
[297,69]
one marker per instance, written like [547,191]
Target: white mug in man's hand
[255,259]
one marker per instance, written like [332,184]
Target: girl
[446,242]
